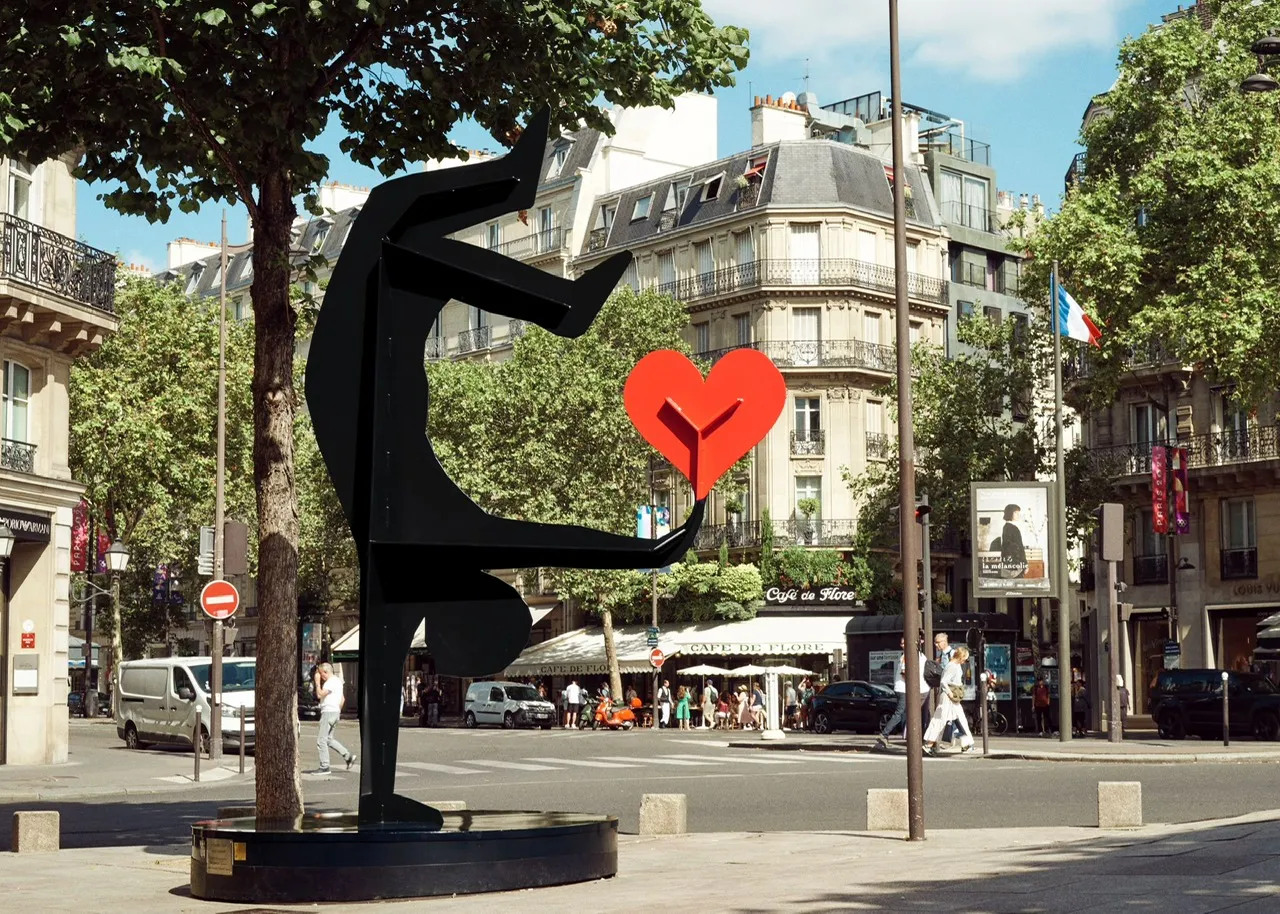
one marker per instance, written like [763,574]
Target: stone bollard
[1119,804]
[36,832]
[887,810]
[663,814]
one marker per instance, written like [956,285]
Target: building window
[871,327]
[322,232]
[964,200]
[875,417]
[246,269]
[215,281]
[913,251]
[915,332]
[704,267]
[867,246]
[806,336]
[808,418]
[805,243]
[743,248]
[702,337]
[1150,563]
[194,279]
[546,226]
[17,400]
[711,188]
[677,194]
[966,309]
[237,308]
[559,157]
[667,269]
[642,207]
[495,235]
[808,490]
[477,319]
[1149,425]
[630,276]
[992,313]
[21,181]
[742,323]
[1239,542]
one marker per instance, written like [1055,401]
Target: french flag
[1073,322]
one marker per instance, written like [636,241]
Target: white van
[157,700]
[507,704]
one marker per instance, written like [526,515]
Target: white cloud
[138,258]
[984,40]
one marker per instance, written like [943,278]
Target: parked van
[158,700]
[507,704]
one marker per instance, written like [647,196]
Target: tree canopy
[1172,239]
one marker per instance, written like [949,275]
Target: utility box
[1110,532]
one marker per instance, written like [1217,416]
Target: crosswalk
[636,765]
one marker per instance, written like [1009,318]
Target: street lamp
[1263,81]
[6,543]
[117,560]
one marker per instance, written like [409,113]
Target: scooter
[614,718]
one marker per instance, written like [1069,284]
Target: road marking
[653,761]
[514,766]
[737,758]
[704,743]
[443,769]
[583,763]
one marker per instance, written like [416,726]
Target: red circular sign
[656,658]
[219,600]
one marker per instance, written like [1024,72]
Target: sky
[1019,73]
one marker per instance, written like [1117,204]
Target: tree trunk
[279,781]
[611,653]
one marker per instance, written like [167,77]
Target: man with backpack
[900,688]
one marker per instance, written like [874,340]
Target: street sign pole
[215,711]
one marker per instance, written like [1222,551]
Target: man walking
[900,690]
[572,695]
[664,702]
[328,688]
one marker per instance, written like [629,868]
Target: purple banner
[1181,500]
[1159,489]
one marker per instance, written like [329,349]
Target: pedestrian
[632,695]
[791,704]
[1040,707]
[682,708]
[1080,707]
[573,698]
[806,698]
[664,704]
[722,713]
[744,708]
[757,708]
[1124,701]
[328,688]
[950,709]
[900,692]
[542,691]
[709,697]
[432,700]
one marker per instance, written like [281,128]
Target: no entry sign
[656,658]
[219,600]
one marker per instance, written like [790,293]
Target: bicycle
[997,723]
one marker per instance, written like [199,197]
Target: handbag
[955,692]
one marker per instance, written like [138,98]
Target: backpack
[932,673]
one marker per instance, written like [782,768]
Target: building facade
[57,299]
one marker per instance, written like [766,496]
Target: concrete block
[887,810]
[664,814]
[36,832]
[1119,804]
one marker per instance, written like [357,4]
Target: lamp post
[117,559]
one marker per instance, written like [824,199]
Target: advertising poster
[1026,683]
[1011,539]
[998,664]
[880,666]
[1025,659]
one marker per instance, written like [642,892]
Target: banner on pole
[104,543]
[1159,489]
[1181,500]
[80,536]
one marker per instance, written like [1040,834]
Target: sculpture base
[772,734]
[329,857]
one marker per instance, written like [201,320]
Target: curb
[1146,758]
[88,792]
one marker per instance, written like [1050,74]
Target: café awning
[75,653]
[581,653]
[767,635]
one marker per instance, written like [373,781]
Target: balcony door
[806,336]
[1239,539]
[1232,420]
[1149,563]
[744,259]
[1148,426]
[806,253]
[24,191]
[17,401]
[867,246]
[705,267]
[808,488]
[808,430]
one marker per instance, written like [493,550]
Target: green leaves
[219,16]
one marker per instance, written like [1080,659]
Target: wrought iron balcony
[435,348]
[1226,448]
[878,446]
[1075,172]
[17,455]
[1239,563]
[817,531]
[838,273]
[817,354]
[1084,364]
[734,535]
[1150,569]
[597,239]
[749,195]
[473,340]
[537,244]
[43,259]
[808,442]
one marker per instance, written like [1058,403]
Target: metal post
[115,661]
[906,451]
[653,581]
[90,600]
[242,713]
[1115,734]
[219,511]
[1060,528]
[926,579]
[195,744]
[982,688]
[1226,717]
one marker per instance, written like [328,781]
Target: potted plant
[808,507]
[733,519]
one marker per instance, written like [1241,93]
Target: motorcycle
[615,718]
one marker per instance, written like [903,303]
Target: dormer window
[559,156]
[322,232]
[194,279]
[642,208]
[711,188]
[755,167]
[246,271]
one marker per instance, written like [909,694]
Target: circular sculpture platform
[329,857]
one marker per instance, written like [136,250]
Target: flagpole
[1062,580]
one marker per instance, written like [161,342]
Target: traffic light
[1110,517]
[922,508]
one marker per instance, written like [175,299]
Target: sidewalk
[1191,869]
[1147,749]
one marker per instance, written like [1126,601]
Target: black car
[859,706]
[1189,702]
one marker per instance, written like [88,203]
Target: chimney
[187,250]
[774,119]
[1022,201]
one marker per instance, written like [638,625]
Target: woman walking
[744,708]
[682,708]
[951,693]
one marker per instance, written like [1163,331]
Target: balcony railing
[1009,279]
[1084,365]
[41,258]
[808,442]
[878,446]
[475,339]
[956,144]
[1239,563]
[816,354]
[1226,448]
[816,531]
[516,329]
[734,535]
[535,245]
[597,239]
[787,272]
[1150,569]
[978,218]
[1075,172]
[435,348]
[17,455]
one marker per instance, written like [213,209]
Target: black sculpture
[423,543]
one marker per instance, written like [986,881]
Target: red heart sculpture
[703,427]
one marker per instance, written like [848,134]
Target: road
[604,772]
